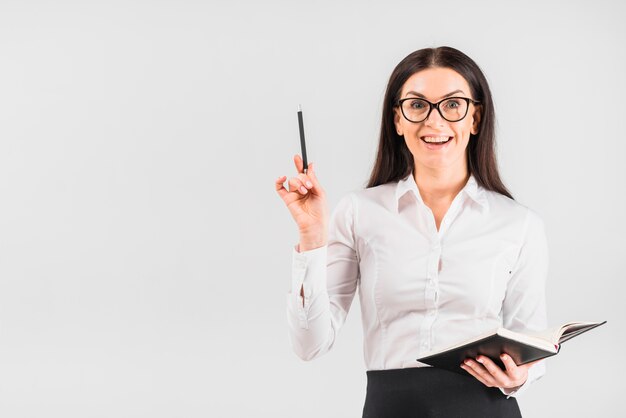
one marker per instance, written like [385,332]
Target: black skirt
[428,392]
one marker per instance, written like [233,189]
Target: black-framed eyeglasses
[452,109]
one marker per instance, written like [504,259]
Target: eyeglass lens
[452,109]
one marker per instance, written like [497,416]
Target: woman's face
[435,84]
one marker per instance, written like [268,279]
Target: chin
[438,164]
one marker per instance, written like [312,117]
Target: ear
[477,115]
[396,121]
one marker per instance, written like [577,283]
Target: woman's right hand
[306,201]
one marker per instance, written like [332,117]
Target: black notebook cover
[494,345]
[491,347]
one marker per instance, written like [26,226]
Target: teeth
[436,139]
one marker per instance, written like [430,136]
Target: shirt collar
[471,189]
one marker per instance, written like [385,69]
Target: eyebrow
[443,97]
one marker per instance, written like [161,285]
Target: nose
[434,118]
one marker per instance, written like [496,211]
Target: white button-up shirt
[421,289]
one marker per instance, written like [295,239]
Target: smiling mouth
[437,142]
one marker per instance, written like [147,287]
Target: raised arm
[325,267]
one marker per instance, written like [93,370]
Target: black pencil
[302,143]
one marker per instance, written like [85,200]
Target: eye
[452,104]
[417,104]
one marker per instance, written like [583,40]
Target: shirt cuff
[513,393]
[308,271]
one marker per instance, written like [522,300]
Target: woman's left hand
[491,375]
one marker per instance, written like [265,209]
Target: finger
[511,367]
[306,180]
[480,371]
[287,196]
[280,187]
[496,372]
[299,163]
[473,373]
[516,374]
[313,176]
[295,185]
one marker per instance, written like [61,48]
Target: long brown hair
[394,161]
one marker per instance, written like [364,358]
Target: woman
[436,246]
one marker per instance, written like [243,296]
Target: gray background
[144,254]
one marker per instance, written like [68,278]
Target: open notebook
[523,348]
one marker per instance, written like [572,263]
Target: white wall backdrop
[144,254]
